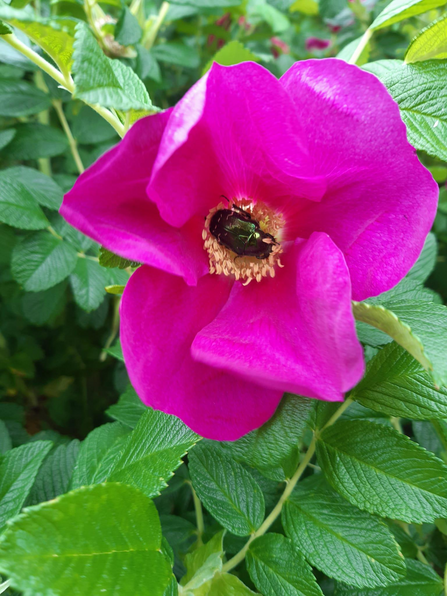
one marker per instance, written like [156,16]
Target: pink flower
[320,162]
[279,47]
[316,43]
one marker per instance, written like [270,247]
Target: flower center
[241,239]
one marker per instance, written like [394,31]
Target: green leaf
[207,3]
[88,127]
[396,384]
[5,439]
[430,43]
[153,451]
[275,444]
[5,29]
[19,98]
[421,93]
[384,472]
[94,461]
[177,53]
[40,261]
[88,281]
[129,408]
[33,140]
[343,542]
[103,81]
[232,53]
[89,541]
[117,352]
[420,580]
[202,563]
[417,326]
[6,136]
[226,489]
[348,51]
[39,307]
[403,9]
[42,188]
[307,7]
[276,567]
[18,206]
[111,260]
[127,31]
[223,584]
[55,473]
[18,469]
[426,261]
[147,66]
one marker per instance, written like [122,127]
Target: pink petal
[160,316]
[236,133]
[295,332]
[109,203]
[380,201]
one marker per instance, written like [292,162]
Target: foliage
[100,494]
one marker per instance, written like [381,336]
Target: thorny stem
[276,511]
[361,46]
[151,35]
[199,516]
[57,104]
[65,81]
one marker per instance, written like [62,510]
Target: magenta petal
[295,332]
[109,203]
[236,132]
[160,316]
[380,202]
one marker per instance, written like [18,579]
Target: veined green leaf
[88,281]
[33,140]
[426,261]
[404,9]
[105,536]
[19,98]
[384,472]
[430,43]
[127,31]
[129,408]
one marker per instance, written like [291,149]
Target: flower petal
[380,202]
[160,316]
[109,203]
[235,133]
[295,332]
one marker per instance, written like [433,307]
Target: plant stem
[115,328]
[57,104]
[64,81]
[276,511]
[396,423]
[361,46]
[43,118]
[199,516]
[151,35]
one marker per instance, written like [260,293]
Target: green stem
[43,118]
[64,81]
[115,328]
[199,516]
[396,423]
[361,46]
[151,35]
[57,104]
[276,511]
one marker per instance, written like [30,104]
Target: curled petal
[109,203]
[160,316]
[380,201]
[295,332]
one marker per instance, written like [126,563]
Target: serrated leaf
[226,489]
[384,472]
[43,188]
[418,326]
[275,443]
[19,98]
[206,556]
[223,584]
[39,307]
[127,30]
[396,384]
[343,542]
[18,206]
[5,439]
[232,53]
[103,81]
[94,463]
[41,261]
[430,43]
[55,473]
[426,261]
[153,451]
[403,9]
[33,140]
[277,567]
[129,408]
[105,536]
[420,580]
[88,281]
[18,469]
[111,260]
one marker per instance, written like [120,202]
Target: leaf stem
[57,104]
[276,511]
[199,515]
[151,35]
[114,330]
[66,82]
[361,46]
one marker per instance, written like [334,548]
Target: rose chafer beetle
[239,232]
